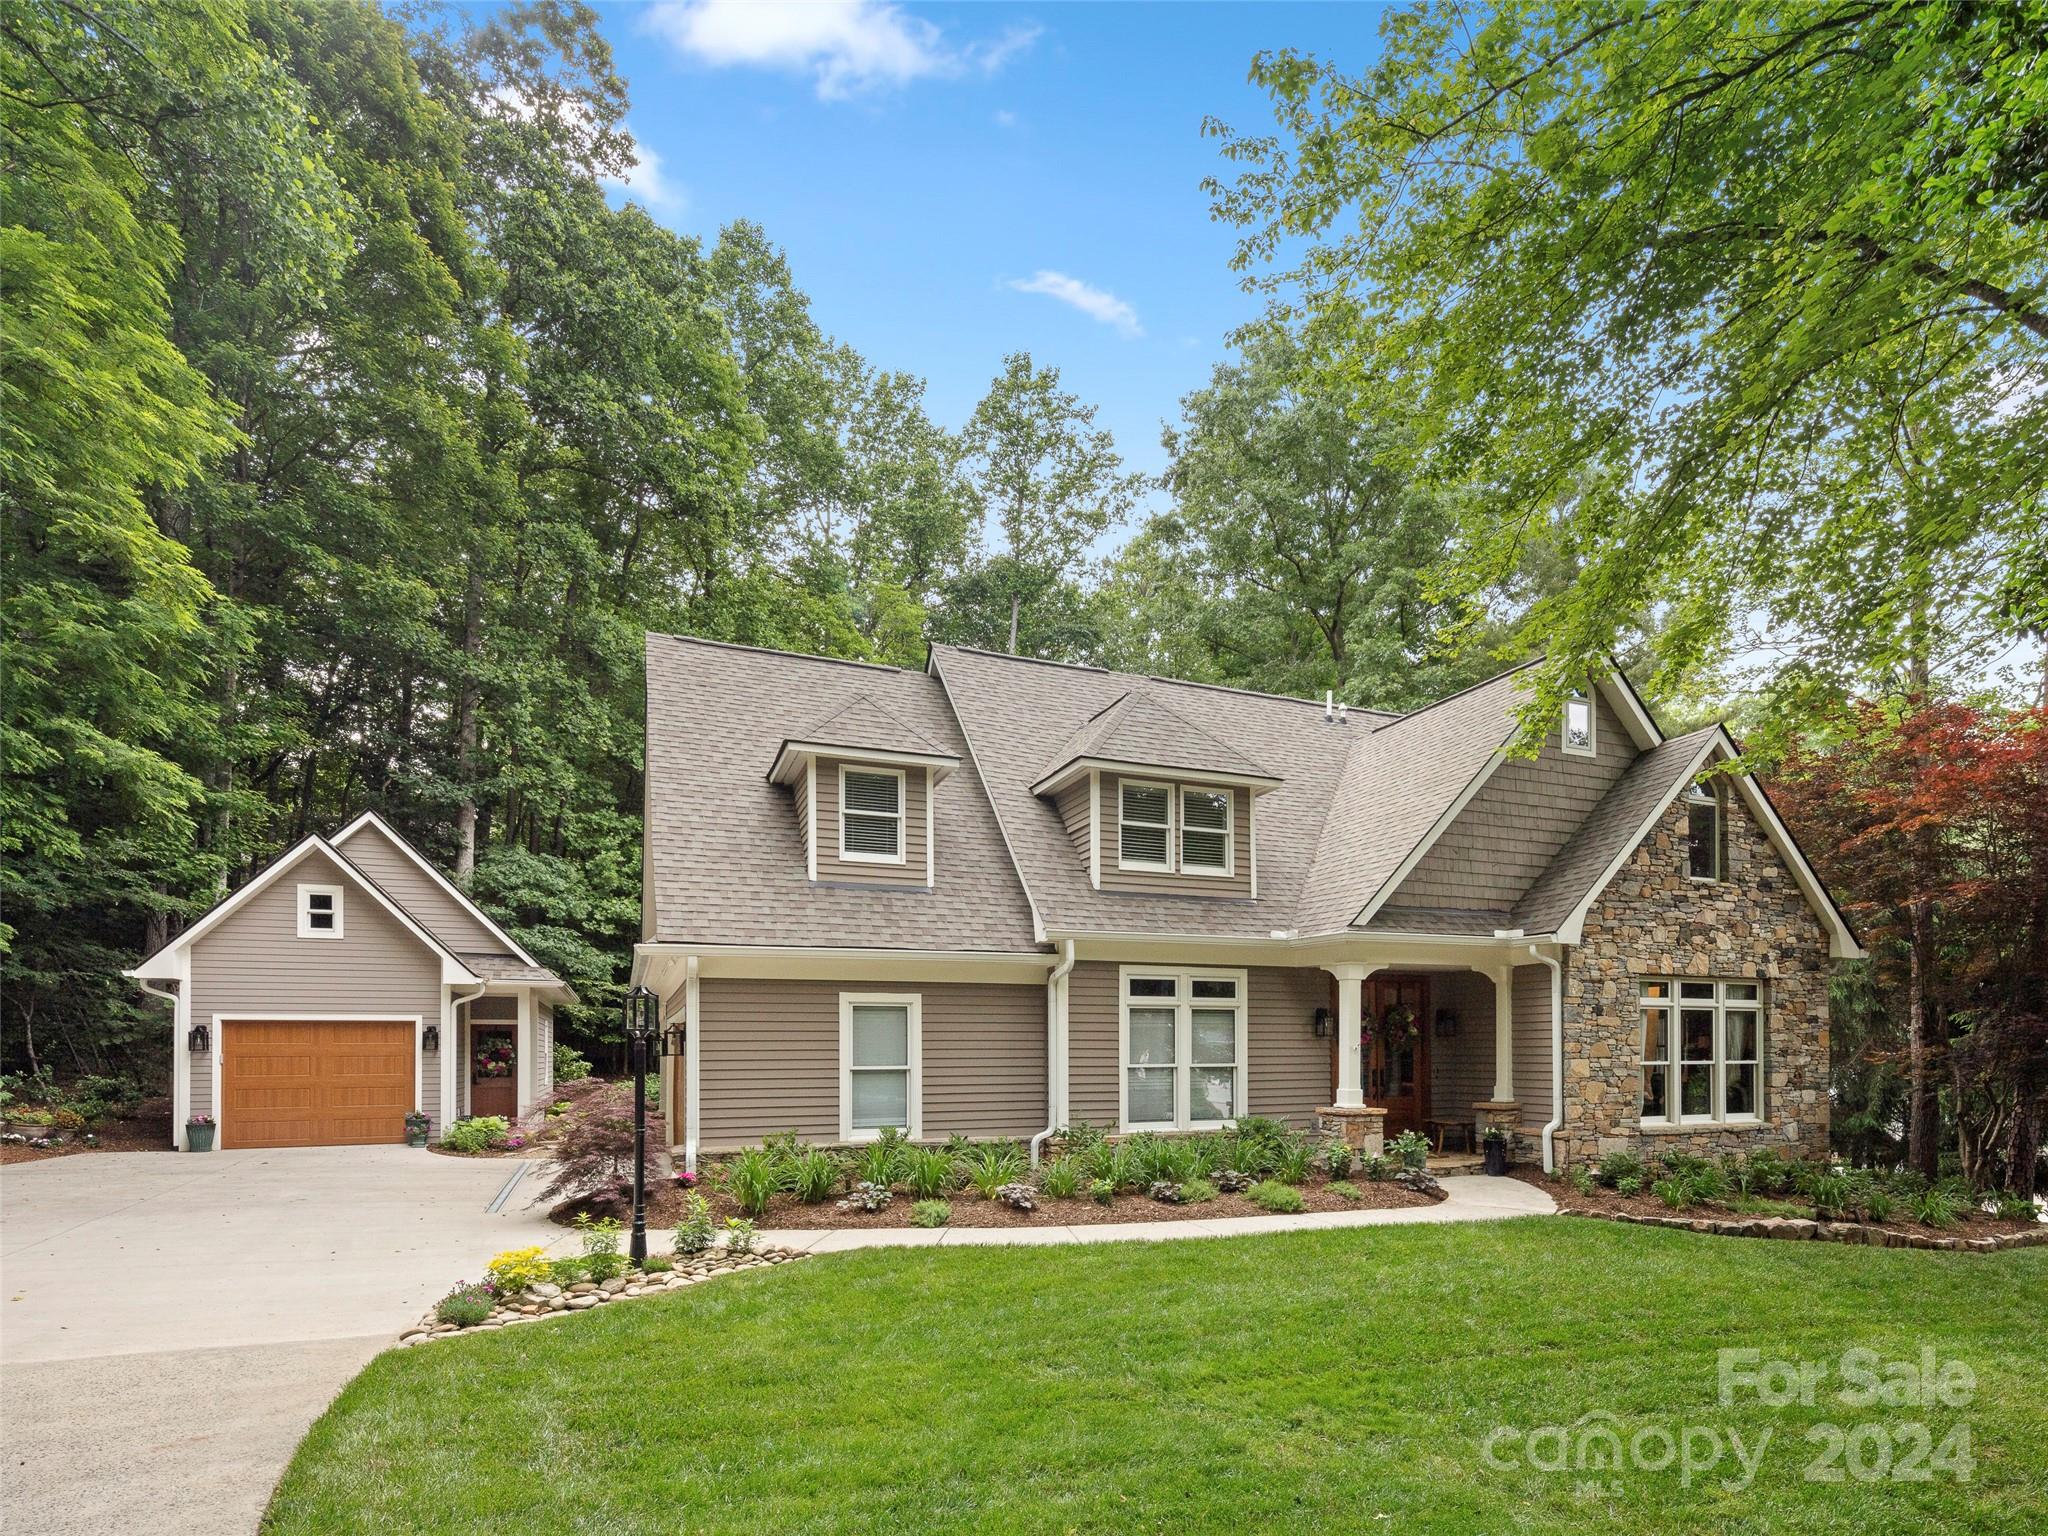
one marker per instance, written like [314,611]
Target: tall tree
[1755,289]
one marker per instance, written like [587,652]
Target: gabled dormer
[862,783]
[1154,804]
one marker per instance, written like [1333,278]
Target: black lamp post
[643,1026]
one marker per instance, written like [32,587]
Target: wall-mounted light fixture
[430,1038]
[1320,1024]
[675,1040]
[199,1040]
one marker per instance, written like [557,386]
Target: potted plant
[416,1129]
[199,1133]
[1495,1140]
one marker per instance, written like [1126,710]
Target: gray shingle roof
[862,724]
[512,968]
[725,858]
[1140,727]
[1647,787]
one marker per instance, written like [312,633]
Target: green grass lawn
[1330,1381]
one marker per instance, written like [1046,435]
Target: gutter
[1556,1058]
[1055,1033]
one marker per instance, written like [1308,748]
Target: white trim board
[912,1004]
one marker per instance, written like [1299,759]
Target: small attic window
[1144,826]
[1704,858]
[1578,725]
[871,815]
[319,911]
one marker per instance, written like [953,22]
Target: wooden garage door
[299,1083]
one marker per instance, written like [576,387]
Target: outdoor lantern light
[643,1028]
[430,1038]
[199,1039]
[1321,1024]
[675,1040]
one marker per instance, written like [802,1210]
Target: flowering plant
[1399,1022]
[685,1180]
[493,1057]
[199,1119]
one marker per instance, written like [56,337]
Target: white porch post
[525,1050]
[1350,1060]
[1504,1034]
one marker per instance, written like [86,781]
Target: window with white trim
[1703,834]
[871,815]
[1183,1048]
[1144,826]
[1702,1051]
[319,911]
[1205,831]
[1578,726]
[880,1037]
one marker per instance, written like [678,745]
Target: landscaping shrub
[753,1178]
[1281,1199]
[1344,1189]
[1410,1150]
[1291,1162]
[1616,1166]
[1197,1192]
[566,1272]
[992,1165]
[1060,1179]
[693,1232]
[601,1257]
[739,1235]
[930,1213]
[1018,1196]
[593,1150]
[813,1174]
[1232,1181]
[570,1065]
[466,1305]
[1629,1184]
[479,1133]
[1580,1177]
[1206,1154]
[657,1264]
[1937,1207]
[866,1196]
[1339,1158]
[928,1172]
[1258,1142]
[516,1269]
[1675,1191]
[1878,1204]
[882,1160]
[1102,1191]
[1165,1191]
[2007,1205]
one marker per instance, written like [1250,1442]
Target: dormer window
[319,911]
[1703,831]
[871,815]
[1205,831]
[1144,827]
[1578,725]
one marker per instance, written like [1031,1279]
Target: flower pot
[416,1138]
[198,1138]
[1496,1158]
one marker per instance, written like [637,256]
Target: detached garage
[348,985]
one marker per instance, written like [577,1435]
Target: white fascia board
[372,819]
[1068,772]
[1622,697]
[791,760]
[655,958]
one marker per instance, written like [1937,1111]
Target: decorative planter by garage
[1496,1155]
[198,1135]
[415,1129]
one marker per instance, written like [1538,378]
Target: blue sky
[956,182]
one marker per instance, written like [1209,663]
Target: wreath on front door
[1399,1022]
[493,1057]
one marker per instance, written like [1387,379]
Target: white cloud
[1095,303]
[647,182]
[1005,118]
[847,46]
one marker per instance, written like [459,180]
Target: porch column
[1350,1065]
[523,1052]
[1504,1034]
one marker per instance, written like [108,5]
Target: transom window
[871,815]
[1578,725]
[1144,826]
[1703,831]
[1183,1049]
[1205,831]
[879,1049]
[319,911]
[1702,1050]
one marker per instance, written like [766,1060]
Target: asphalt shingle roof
[1140,727]
[861,724]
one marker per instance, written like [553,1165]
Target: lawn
[1340,1381]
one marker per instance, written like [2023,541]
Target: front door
[1396,1058]
[493,1070]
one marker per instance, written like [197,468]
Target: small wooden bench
[1439,1131]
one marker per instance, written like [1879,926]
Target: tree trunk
[1016,602]
[1923,1112]
[465,726]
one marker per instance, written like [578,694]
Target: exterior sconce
[675,1040]
[199,1040]
[430,1038]
[1320,1024]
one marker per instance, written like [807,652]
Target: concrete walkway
[1465,1199]
[171,1325]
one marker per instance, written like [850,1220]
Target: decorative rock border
[1818,1231]
[541,1302]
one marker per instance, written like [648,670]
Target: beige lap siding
[768,1058]
[255,965]
[1460,1065]
[1531,1002]
[418,892]
[832,867]
[1288,1067]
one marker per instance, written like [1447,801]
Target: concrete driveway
[171,1325]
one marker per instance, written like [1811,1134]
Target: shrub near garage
[516,1269]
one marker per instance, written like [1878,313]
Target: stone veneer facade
[1653,920]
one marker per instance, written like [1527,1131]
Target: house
[347,985]
[998,896]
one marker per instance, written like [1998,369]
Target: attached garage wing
[316,1083]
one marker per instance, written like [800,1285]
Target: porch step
[1455,1164]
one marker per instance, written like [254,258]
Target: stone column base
[1363,1129]
[1505,1113]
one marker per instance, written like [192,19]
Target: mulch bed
[1603,1201]
[147,1130]
[665,1207]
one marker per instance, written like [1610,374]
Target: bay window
[1702,1051]
[1183,1037]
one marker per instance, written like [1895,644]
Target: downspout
[180,1065]
[1556,1058]
[1054,1018]
[451,1052]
